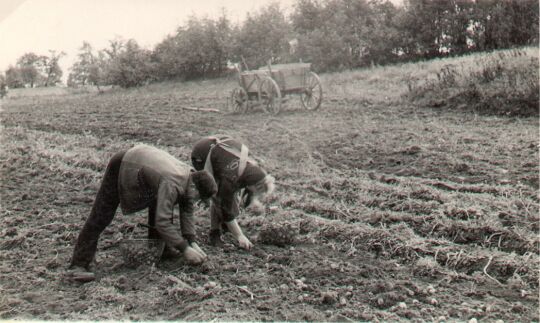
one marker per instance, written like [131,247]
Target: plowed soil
[383,210]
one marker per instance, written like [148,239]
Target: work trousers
[102,214]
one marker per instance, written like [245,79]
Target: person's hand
[193,256]
[195,246]
[234,228]
[244,242]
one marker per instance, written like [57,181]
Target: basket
[138,251]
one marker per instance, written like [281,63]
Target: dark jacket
[225,161]
[149,175]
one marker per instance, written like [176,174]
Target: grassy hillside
[504,82]
[386,208]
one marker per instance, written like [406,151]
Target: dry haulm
[383,210]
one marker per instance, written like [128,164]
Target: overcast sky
[62,25]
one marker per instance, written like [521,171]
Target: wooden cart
[268,87]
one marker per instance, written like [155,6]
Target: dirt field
[383,210]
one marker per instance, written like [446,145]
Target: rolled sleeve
[167,197]
[187,225]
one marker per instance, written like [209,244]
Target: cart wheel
[270,95]
[238,100]
[312,95]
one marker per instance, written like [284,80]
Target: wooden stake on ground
[201,109]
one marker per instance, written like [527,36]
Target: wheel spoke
[312,95]
[238,100]
[270,96]
[312,83]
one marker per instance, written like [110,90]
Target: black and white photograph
[269,160]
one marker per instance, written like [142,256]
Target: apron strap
[243,160]
[243,156]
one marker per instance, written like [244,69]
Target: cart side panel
[249,80]
[290,77]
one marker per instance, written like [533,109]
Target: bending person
[228,161]
[146,177]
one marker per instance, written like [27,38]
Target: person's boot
[214,238]
[170,253]
[224,227]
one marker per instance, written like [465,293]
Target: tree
[307,16]
[193,48]
[98,69]
[14,78]
[221,39]
[325,49]
[457,27]
[53,72]
[29,66]
[131,66]
[382,34]
[116,45]
[318,39]
[91,68]
[201,48]
[3,86]
[80,70]
[432,28]
[422,25]
[505,23]
[338,34]
[167,56]
[264,36]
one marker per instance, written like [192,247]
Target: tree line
[331,34]
[33,70]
